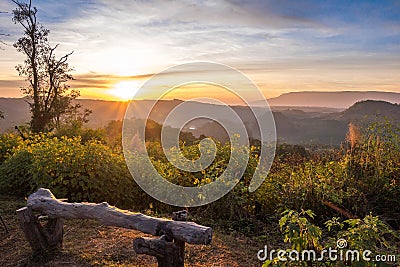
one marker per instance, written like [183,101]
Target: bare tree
[49,95]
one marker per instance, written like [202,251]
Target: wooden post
[169,251]
[40,238]
[4,224]
[166,252]
[180,216]
[54,232]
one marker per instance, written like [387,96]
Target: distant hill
[296,125]
[331,99]
[16,111]
[370,110]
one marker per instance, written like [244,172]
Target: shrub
[15,174]
[71,169]
[302,235]
[7,143]
[369,233]
[76,128]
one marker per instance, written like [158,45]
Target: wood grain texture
[44,202]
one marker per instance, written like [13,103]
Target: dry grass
[86,243]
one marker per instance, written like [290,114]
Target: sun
[125,90]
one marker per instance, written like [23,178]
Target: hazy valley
[311,124]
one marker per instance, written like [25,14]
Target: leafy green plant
[71,169]
[16,174]
[369,233]
[299,231]
[75,128]
[8,142]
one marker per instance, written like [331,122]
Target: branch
[339,210]
[62,60]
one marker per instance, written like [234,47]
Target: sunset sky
[281,45]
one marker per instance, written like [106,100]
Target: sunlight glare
[125,90]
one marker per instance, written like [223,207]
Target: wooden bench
[169,248]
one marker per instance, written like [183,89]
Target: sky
[282,46]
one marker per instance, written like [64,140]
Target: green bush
[362,177]
[369,233]
[7,143]
[302,235]
[16,174]
[76,129]
[71,169]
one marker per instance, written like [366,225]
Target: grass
[87,243]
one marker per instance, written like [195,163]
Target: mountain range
[343,99]
[297,125]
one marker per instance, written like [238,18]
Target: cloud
[103,81]
[150,33]
[115,40]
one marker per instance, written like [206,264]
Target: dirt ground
[87,243]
